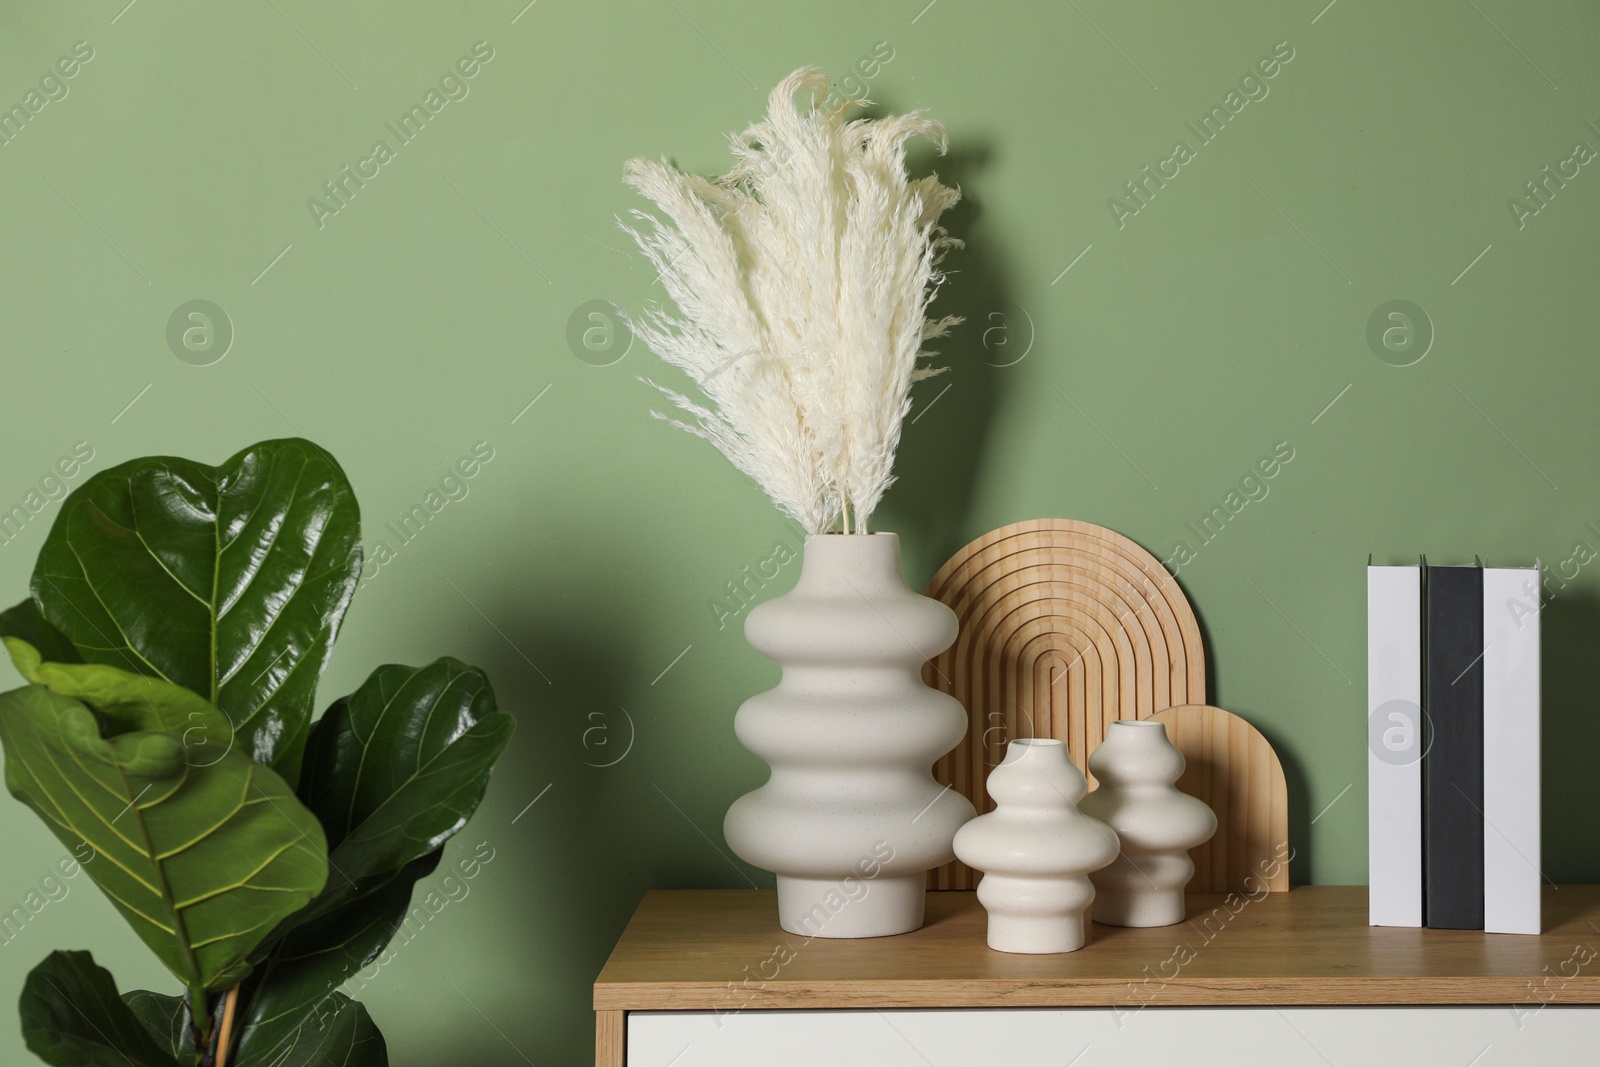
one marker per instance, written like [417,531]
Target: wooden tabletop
[722,949]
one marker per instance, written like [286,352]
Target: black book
[1452,767]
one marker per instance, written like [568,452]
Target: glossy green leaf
[230,581]
[396,768]
[202,859]
[308,965]
[339,1033]
[73,1017]
[392,771]
[166,1019]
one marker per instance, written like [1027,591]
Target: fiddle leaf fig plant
[180,617]
[230,581]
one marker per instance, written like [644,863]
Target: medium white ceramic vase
[1137,768]
[851,819]
[1036,850]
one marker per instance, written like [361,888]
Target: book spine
[1511,872]
[1394,746]
[1452,763]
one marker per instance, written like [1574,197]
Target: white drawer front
[1099,1037]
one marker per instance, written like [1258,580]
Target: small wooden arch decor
[1066,627]
[1230,766]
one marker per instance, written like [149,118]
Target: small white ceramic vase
[1036,850]
[851,819]
[1137,768]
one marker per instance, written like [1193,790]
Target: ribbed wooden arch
[1065,627]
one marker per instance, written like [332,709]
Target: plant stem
[225,1036]
[200,1020]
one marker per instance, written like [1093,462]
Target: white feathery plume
[802,280]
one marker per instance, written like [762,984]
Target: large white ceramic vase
[851,819]
[1137,768]
[1036,850]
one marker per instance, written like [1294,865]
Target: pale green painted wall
[423,317]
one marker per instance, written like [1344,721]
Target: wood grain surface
[610,1039]
[722,950]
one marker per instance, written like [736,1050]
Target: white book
[1511,863]
[1394,746]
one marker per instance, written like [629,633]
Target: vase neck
[1138,732]
[868,564]
[1137,754]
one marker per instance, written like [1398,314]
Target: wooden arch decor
[1065,627]
[1230,766]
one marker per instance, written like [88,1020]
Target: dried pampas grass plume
[802,280]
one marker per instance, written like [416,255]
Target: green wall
[1135,390]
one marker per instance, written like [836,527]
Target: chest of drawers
[703,978]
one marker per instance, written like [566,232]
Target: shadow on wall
[1294,773]
[1300,810]
[943,442]
[560,901]
[1570,678]
[1570,790]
